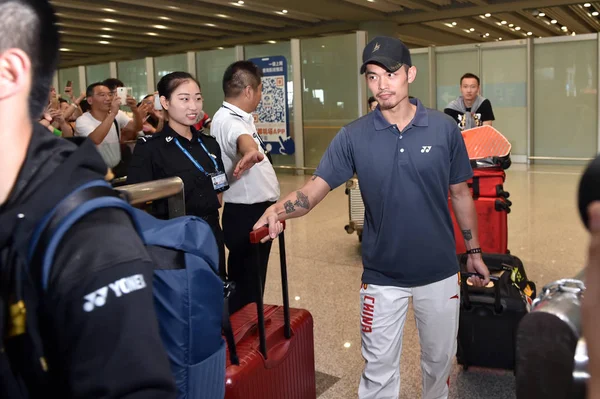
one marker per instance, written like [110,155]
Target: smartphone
[157,104]
[69,83]
[122,93]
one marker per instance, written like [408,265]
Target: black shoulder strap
[117,127]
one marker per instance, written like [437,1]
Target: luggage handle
[497,302]
[255,237]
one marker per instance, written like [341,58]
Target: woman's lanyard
[191,158]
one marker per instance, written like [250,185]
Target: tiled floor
[324,268]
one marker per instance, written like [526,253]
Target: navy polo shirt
[408,238]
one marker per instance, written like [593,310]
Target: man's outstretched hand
[247,161]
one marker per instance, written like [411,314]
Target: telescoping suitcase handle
[497,302]
[255,237]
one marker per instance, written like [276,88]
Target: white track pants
[383,312]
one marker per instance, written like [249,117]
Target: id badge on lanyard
[219,181]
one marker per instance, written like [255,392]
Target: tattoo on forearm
[468,236]
[302,200]
[289,207]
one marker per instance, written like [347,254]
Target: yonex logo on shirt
[426,148]
[120,287]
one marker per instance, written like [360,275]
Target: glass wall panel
[97,73]
[169,63]
[64,75]
[268,50]
[504,83]
[450,67]
[210,66]
[566,99]
[133,74]
[420,87]
[329,93]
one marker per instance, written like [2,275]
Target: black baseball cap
[388,52]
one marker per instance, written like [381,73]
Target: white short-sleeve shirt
[259,183]
[110,148]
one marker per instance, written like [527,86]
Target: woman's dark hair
[169,83]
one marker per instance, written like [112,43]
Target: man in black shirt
[100,340]
[470,109]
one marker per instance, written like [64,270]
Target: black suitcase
[489,317]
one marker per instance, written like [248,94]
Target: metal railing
[170,189]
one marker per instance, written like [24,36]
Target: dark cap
[388,52]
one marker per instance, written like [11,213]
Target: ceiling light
[517,28]
[65,49]
[211,25]
[297,298]
[511,25]
[587,5]
[482,16]
[542,14]
[487,34]
[173,7]
[467,31]
[271,41]
[448,25]
[488,15]
[159,26]
[498,23]
[503,22]
[371,1]
[499,38]
[109,10]
[112,21]
[221,48]
[165,18]
[221,15]
[454,24]
[347,345]
[472,29]
[564,28]
[103,42]
[107,29]
[106,36]
[284,11]
[573,33]
[152,34]
[595,13]
[529,33]
[240,2]
[553,21]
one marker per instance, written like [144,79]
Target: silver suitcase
[551,352]
[356,208]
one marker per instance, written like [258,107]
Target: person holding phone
[154,121]
[107,126]
[181,150]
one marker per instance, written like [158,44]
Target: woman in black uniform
[181,150]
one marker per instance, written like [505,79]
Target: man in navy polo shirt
[406,158]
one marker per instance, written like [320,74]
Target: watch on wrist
[474,251]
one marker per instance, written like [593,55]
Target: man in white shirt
[253,183]
[106,126]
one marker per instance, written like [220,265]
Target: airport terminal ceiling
[111,30]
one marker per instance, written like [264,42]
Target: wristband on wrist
[474,251]
[57,132]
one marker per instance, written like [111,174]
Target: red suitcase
[491,223]
[275,347]
[488,182]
